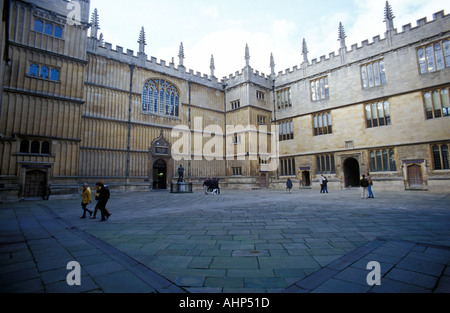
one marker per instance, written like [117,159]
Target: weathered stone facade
[76,110]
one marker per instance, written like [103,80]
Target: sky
[223,28]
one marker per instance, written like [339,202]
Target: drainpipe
[129,121]
[275,121]
[224,85]
[190,134]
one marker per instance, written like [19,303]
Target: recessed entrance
[35,184]
[306,179]
[159,175]
[351,172]
[415,178]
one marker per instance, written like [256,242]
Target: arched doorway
[351,172]
[159,174]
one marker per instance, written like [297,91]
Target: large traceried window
[160,97]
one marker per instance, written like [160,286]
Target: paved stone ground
[259,241]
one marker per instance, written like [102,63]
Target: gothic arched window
[160,97]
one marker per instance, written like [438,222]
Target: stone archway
[160,163]
[351,172]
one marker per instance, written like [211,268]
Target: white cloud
[223,29]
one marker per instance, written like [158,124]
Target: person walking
[369,188]
[86,198]
[364,186]
[289,185]
[102,196]
[325,184]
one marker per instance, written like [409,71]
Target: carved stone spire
[305,52]
[342,35]
[389,17]
[141,41]
[181,55]
[95,25]
[211,66]
[272,65]
[247,56]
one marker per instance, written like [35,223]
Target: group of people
[102,196]
[211,185]
[366,184]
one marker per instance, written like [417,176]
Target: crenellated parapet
[393,40]
[97,47]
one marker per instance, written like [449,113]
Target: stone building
[76,110]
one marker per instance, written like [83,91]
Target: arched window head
[38,26]
[25,146]
[35,146]
[34,70]
[54,74]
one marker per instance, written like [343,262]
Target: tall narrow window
[45,148]
[44,72]
[24,146]
[48,29]
[58,31]
[35,146]
[38,26]
[34,70]
[54,74]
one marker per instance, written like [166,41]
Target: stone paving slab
[240,241]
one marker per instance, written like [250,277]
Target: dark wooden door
[415,178]
[34,184]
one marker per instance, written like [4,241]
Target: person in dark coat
[289,185]
[102,196]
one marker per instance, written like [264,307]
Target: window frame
[322,123]
[378,73]
[379,113]
[382,160]
[320,89]
[434,110]
[440,158]
[433,57]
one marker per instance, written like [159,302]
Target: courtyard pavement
[253,241]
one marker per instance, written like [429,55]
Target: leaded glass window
[160,97]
